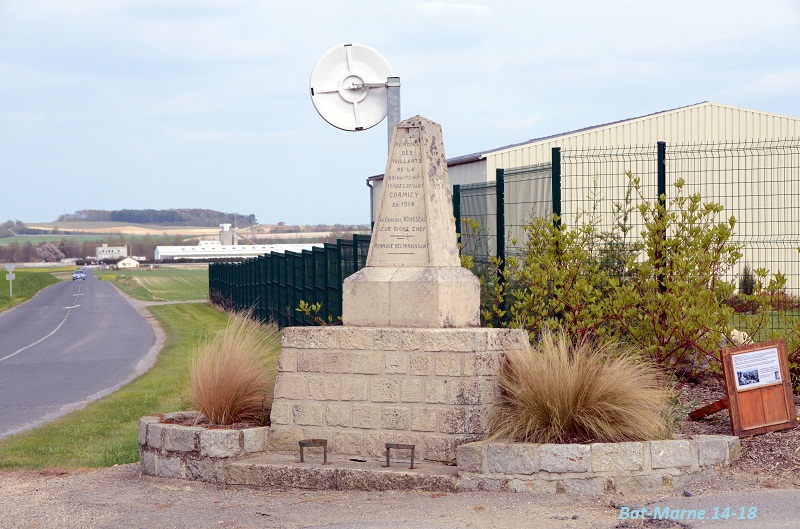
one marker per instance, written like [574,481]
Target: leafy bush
[233,373]
[565,392]
[675,310]
[792,332]
[664,293]
[558,281]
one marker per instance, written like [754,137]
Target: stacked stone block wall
[196,453]
[592,468]
[361,387]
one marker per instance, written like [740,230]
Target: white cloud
[775,83]
[179,90]
[456,7]
[200,41]
[208,136]
[530,121]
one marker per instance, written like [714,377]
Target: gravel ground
[771,460]
[119,497]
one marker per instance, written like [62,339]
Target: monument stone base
[411,296]
[363,387]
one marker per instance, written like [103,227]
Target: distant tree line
[335,228]
[10,228]
[75,248]
[164,217]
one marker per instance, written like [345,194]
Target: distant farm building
[110,252]
[128,262]
[227,236]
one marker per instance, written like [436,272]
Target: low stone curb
[280,470]
[239,457]
[593,468]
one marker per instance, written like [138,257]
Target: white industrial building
[216,250]
[726,159]
[701,123]
[110,252]
[225,248]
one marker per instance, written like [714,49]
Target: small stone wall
[363,387]
[239,457]
[193,452]
[592,468]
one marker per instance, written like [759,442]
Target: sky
[162,104]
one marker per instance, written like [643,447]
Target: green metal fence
[273,284]
[757,182]
[502,207]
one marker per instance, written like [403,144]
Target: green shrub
[676,308]
[232,376]
[791,332]
[559,281]
[561,391]
[663,293]
[747,281]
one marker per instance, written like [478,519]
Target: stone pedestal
[361,388]
[411,297]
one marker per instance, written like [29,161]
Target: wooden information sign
[758,387]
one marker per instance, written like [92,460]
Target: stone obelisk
[413,276]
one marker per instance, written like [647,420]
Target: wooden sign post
[759,390]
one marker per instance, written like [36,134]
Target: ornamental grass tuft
[232,376]
[564,392]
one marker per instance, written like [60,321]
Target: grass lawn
[774,324]
[52,238]
[27,282]
[124,228]
[105,432]
[161,284]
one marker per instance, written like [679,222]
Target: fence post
[662,173]
[500,188]
[355,253]
[457,213]
[661,166]
[555,185]
[501,216]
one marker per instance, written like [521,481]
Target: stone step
[285,470]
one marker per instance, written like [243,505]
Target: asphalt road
[72,343]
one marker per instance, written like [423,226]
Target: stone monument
[409,365]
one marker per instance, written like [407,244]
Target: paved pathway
[72,343]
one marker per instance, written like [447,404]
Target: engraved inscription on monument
[401,229]
[413,276]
